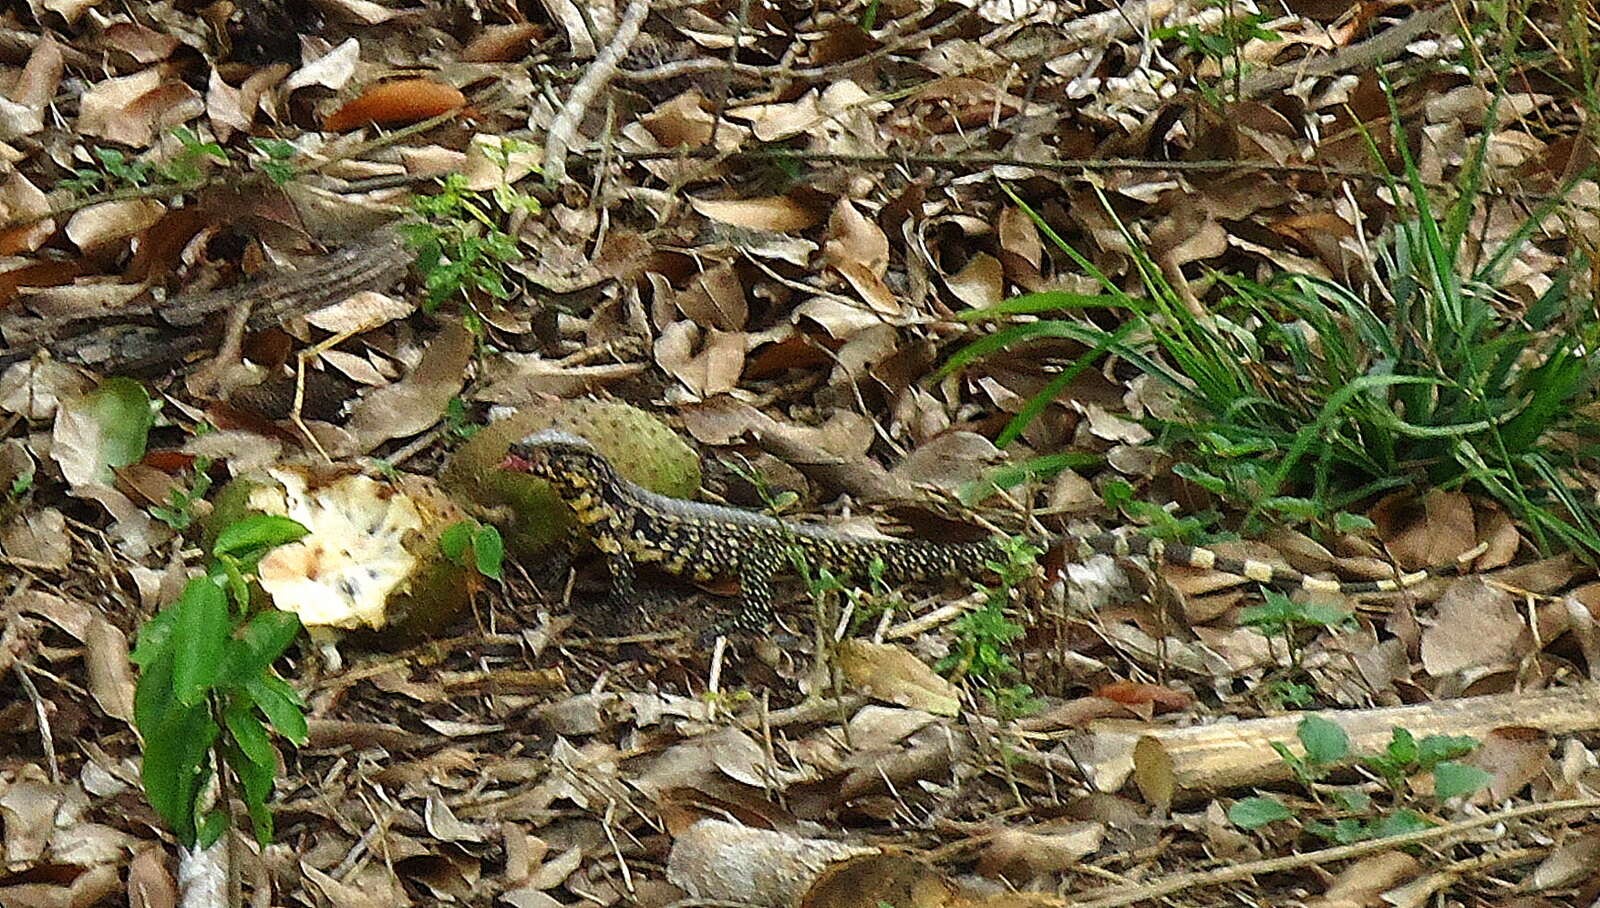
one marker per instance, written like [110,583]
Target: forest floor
[1307,283]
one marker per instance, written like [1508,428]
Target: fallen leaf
[887,672]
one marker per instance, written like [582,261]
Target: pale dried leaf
[887,672]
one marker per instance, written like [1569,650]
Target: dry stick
[1115,896]
[599,74]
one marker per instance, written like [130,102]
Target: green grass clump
[1303,396]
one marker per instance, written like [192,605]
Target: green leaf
[282,706]
[201,635]
[454,540]
[1451,779]
[257,781]
[1254,813]
[1325,741]
[175,766]
[250,734]
[113,421]
[489,550]
[1398,823]
[256,532]
[1433,749]
[155,638]
[212,828]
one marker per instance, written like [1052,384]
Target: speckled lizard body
[632,525]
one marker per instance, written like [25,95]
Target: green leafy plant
[1327,747]
[179,511]
[206,684]
[1287,619]
[984,634]
[1224,41]
[462,245]
[472,544]
[275,155]
[116,170]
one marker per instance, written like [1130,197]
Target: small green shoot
[179,512]
[482,541]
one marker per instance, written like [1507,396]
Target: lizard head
[564,460]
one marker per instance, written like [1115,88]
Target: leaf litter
[788,311]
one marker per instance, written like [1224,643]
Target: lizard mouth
[516,463]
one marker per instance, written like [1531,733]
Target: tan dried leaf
[778,214]
[887,672]
[132,109]
[1038,850]
[38,536]
[1476,625]
[419,400]
[715,299]
[981,283]
[100,225]
[715,369]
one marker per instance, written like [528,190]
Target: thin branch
[565,127]
[1116,896]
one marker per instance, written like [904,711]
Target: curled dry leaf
[714,859]
[397,103]
[22,108]
[859,250]
[21,200]
[1364,882]
[100,225]
[980,283]
[715,369]
[1020,854]
[501,43]
[331,70]
[39,537]
[1433,532]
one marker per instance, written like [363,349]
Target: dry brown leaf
[419,400]
[145,45]
[1574,861]
[149,883]
[20,199]
[859,250]
[715,299]
[980,283]
[1476,625]
[22,108]
[682,122]
[110,671]
[99,225]
[887,672]
[359,313]
[501,43]
[38,536]
[1513,756]
[331,70]
[715,859]
[1021,854]
[713,370]
[132,109]
[778,214]
[1435,533]
[1362,884]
